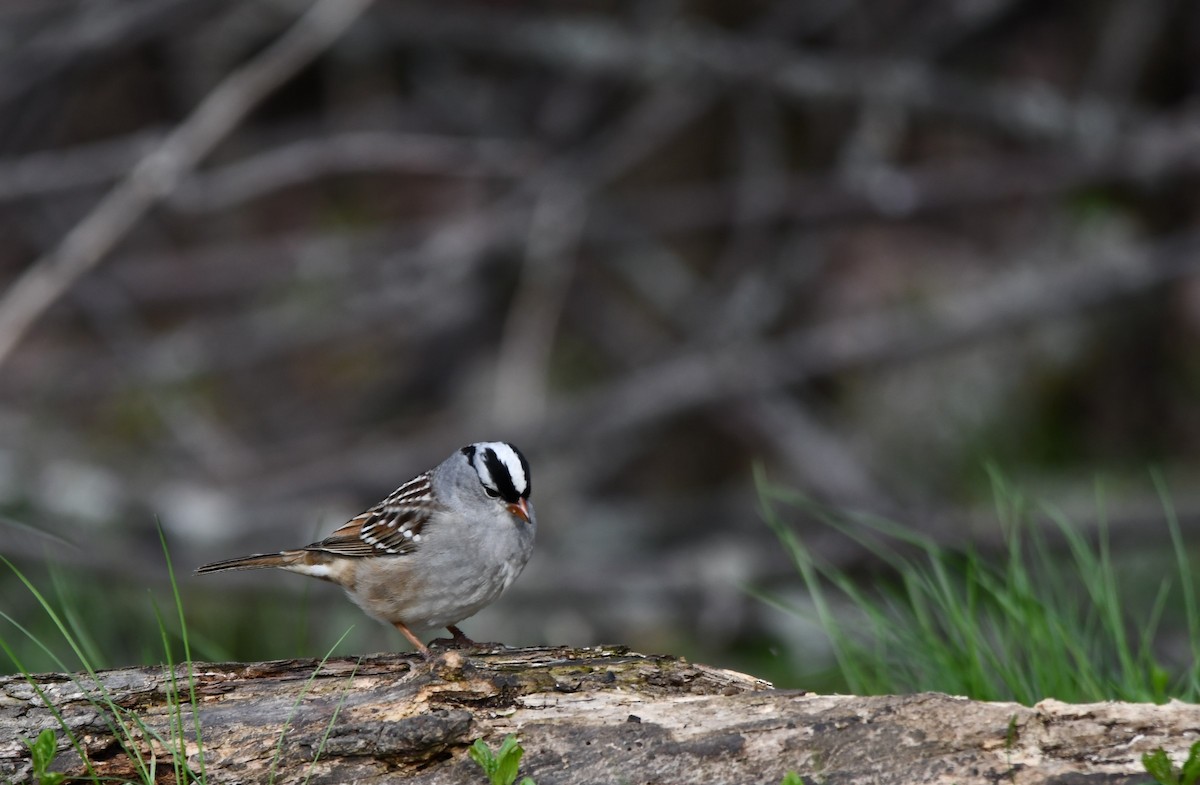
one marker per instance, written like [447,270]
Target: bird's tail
[253,562]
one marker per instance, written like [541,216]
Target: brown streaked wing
[390,528]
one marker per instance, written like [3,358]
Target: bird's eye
[495,494]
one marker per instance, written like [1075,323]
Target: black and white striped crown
[502,469]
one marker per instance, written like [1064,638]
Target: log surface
[603,715]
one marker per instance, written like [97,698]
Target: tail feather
[252,562]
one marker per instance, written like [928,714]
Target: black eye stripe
[500,476]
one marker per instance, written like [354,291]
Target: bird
[437,550]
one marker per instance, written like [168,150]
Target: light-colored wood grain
[583,716]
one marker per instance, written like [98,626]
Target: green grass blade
[37,688]
[332,720]
[1187,582]
[106,706]
[187,655]
[1047,617]
[296,705]
[78,629]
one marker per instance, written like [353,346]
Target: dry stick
[30,58]
[531,327]
[815,451]
[589,45]
[160,171]
[688,381]
[285,164]
[695,378]
[369,151]
[88,165]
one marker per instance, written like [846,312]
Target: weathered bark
[583,716]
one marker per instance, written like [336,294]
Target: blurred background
[872,248]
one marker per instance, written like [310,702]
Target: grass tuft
[287,723]
[173,749]
[1048,617]
[139,741]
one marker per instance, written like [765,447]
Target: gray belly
[442,595]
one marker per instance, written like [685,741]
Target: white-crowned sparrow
[441,547]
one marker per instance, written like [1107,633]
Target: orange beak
[520,509]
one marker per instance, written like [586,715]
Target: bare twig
[35,56]
[818,454]
[1126,45]
[688,381]
[1153,151]
[287,164]
[523,367]
[214,448]
[938,29]
[159,172]
[1036,112]
[86,166]
[366,151]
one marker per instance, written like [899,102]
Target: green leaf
[1158,766]
[792,778]
[528,781]
[482,755]
[499,766]
[508,759]
[507,746]
[1191,767]
[42,751]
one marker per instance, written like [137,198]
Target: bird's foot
[461,641]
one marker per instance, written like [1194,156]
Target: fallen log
[601,715]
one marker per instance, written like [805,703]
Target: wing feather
[390,528]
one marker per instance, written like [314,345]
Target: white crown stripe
[510,460]
[485,474]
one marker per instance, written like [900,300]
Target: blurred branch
[1164,149]
[158,173]
[433,298]
[1126,46]
[818,452]
[650,124]
[939,29]
[30,59]
[86,166]
[288,164]
[523,365]
[364,151]
[704,377]
[214,448]
[681,52]
[693,378]
[1148,149]
[459,242]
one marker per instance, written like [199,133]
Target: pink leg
[413,639]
